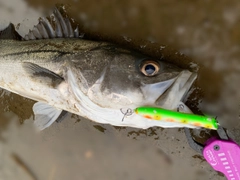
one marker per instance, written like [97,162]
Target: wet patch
[199,157]
[19,105]
[13,105]
[99,128]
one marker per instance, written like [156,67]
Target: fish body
[96,80]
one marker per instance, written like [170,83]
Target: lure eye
[149,68]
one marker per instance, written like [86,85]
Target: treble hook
[128,112]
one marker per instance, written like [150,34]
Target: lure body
[160,114]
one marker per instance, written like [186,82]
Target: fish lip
[152,92]
[174,95]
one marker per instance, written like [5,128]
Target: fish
[101,81]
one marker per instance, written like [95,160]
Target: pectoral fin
[45,115]
[42,75]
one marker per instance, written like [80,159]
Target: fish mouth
[169,94]
[174,96]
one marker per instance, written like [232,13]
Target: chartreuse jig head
[159,114]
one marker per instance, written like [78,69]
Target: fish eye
[149,68]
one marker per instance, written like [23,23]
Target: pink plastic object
[223,156]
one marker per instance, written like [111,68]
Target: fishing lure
[160,114]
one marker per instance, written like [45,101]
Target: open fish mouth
[174,95]
[171,99]
[168,94]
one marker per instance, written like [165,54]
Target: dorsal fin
[56,26]
[10,33]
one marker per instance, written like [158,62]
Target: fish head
[133,81]
[116,78]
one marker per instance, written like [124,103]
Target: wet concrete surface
[206,31]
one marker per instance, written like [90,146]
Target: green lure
[160,114]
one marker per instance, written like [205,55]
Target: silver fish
[97,80]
